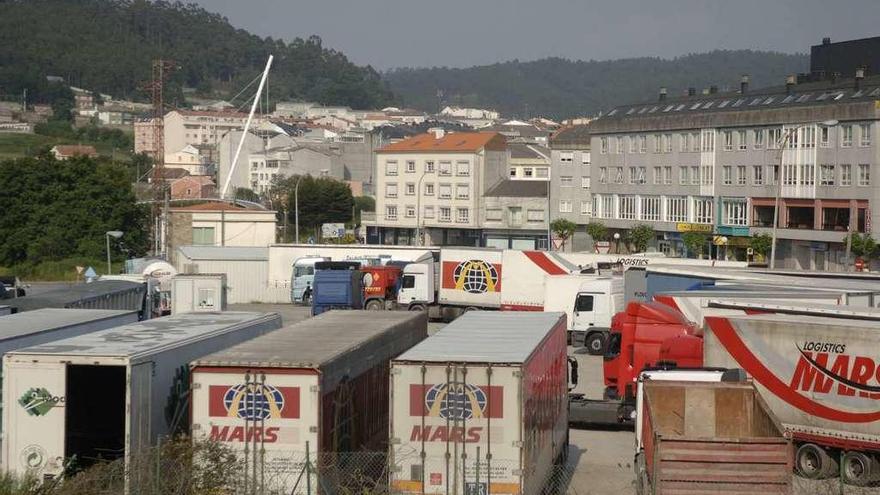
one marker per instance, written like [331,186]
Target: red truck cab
[634,344]
[380,285]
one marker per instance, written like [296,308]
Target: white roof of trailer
[769,278]
[225,253]
[796,320]
[486,337]
[794,310]
[150,336]
[43,320]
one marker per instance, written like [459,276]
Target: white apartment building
[183,127]
[431,186]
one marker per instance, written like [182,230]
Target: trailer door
[138,406]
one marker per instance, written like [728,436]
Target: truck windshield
[301,271]
[612,350]
[409,281]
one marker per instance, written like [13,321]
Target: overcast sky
[461,33]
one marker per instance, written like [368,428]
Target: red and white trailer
[482,406]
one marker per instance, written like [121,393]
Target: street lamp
[116,234]
[617,242]
[419,241]
[296,207]
[786,138]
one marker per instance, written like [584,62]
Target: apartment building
[570,198]
[183,127]
[431,186]
[528,162]
[144,137]
[514,215]
[715,162]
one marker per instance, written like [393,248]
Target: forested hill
[559,88]
[108,46]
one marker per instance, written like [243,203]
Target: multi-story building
[571,162]
[183,127]
[286,161]
[529,162]
[144,137]
[514,215]
[716,162]
[431,185]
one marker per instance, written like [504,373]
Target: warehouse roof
[151,335]
[456,142]
[42,320]
[486,337]
[225,253]
[62,297]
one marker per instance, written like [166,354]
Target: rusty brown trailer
[709,438]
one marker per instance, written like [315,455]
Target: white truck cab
[589,302]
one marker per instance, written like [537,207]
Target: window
[542,172]
[865,135]
[827,175]
[633,175]
[463,168]
[585,158]
[566,157]
[585,182]
[658,175]
[462,215]
[535,216]
[564,206]
[823,136]
[667,143]
[774,139]
[741,175]
[695,176]
[619,145]
[618,175]
[514,215]
[809,137]
[708,141]
[658,144]
[528,172]
[603,175]
[727,175]
[410,166]
[587,208]
[667,175]
[445,214]
[493,214]
[864,174]
[845,174]
[429,189]
[643,144]
[608,206]
[604,145]
[390,212]
[757,175]
[741,140]
[445,168]
[445,191]
[703,210]
[566,181]
[410,211]
[633,144]
[390,190]
[584,302]
[512,172]
[626,207]
[808,175]
[683,142]
[728,140]
[651,208]
[462,191]
[410,189]
[758,135]
[429,212]
[773,173]
[846,136]
[676,209]
[203,236]
[391,167]
[682,175]
[734,212]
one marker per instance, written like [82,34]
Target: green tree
[864,246]
[695,242]
[597,231]
[563,229]
[761,244]
[246,194]
[321,200]
[640,236]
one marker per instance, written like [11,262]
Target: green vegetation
[598,231]
[56,213]
[864,246]
[321,200]
[563,229]
[761,244]
[108,46]
[695,242]
[559,88]
[640,236]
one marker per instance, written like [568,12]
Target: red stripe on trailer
[727,336]
[520,307]
[667,300]
[544,262]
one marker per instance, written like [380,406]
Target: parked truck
[481,406]
[107,394]
[709,437]
[338,285]
[589,303]
[323,382]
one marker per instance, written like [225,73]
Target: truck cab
[589,302]
[303,277]
[380,286]
[338,285]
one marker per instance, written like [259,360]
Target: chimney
[744,84]
[826,41]
[790,81]
[438,132]
[713,90]
[692,91]
[860,74]
[662,94]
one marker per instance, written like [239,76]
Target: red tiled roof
[75,149]
[451,142]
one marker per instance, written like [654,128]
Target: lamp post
[116,234]
[296,207]
[786,138]
[617,242]
[419,241]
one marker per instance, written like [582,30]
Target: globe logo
[475,276]
[253,402]
[455,401]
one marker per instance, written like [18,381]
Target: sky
[461,33]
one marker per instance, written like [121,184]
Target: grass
[58,271]
[16,145]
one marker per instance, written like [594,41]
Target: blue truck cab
[337,287]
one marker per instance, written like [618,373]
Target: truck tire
[374,305]
[859,469]
[813,462]
[417,307]
[595,343]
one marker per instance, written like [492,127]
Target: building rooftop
[75,149]
[523,151]
[226,253]
[210,113]
[518,189]
[221,206]
[46,319]
[461,142]
[578,135]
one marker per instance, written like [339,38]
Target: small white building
[246,269]
[220,224]
[188,159]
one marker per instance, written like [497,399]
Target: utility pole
[161,70]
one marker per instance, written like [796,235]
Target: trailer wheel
[859,469]
[595,343]
[813,462]
[417,307]
[375,305]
